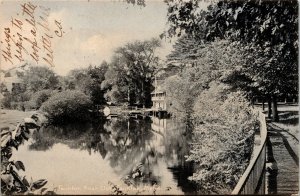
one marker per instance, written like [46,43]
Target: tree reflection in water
[136,148]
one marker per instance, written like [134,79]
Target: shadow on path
[282,162]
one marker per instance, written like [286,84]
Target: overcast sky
[92,30]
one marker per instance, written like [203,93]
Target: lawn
[289,119]
[10,118]
[288,125]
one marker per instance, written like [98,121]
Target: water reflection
[136,151]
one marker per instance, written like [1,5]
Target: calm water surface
[128,152]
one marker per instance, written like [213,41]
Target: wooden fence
[253,179]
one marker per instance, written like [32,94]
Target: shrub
[13,182]
[29,105]
[67,106]
[6,101]
[38,98]
[16,105]
[15,100]
[223,139]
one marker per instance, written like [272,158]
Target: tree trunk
[275,116]
[269,108]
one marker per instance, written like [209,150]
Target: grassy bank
[289,119]
[10,118]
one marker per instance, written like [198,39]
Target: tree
[223,139]
[3,87]
[38,78]
[97,74]
[88,81]
[185,51]
[131,72]
[78,79]
[116,83]
[269,26]
[180,97]
[215,61]
[218,112]
[137,2]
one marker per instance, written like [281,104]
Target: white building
[158,97]
[11,78]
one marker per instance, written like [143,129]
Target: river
[135,154]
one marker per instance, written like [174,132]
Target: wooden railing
[253,179]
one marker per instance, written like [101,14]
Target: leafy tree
[38,98]
[185,51]
[97,75]
[116,83]
[130,73]
[137,2]
[16,99]
[38,78]
[88,81]
[3,87]
[78,79]
[12,180]
[271,26]
[223,138]
[218,112]
[180,97]
[215,61]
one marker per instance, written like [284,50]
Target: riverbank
[115,150]
[10,118]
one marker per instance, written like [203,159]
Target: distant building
[158,97]
[11,79]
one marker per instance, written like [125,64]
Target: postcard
[147,97]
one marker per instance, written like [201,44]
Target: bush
[6,101]
[67,106]
[15,100]
[223,139]
[16,105]
[38,98]
[29,105]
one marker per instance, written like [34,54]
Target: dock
[133,111]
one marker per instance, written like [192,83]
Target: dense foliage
[67,106]
[88,81]
[260,60]
[35,84]
[38,98]
[266,26]
[203,94]
[38,78]
[12,182]
[130,74]
[223,138]
[16,98]
[216,61]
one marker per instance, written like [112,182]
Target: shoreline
[10,118]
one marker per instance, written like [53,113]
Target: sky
[90,31]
